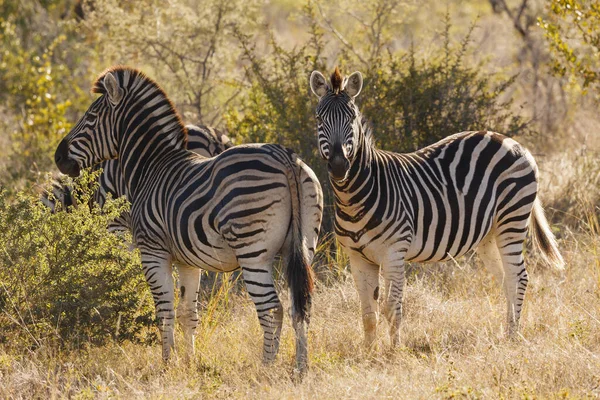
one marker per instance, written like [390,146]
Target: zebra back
[206,140]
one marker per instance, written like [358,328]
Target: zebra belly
[441,237]
[449,235]
[216,258]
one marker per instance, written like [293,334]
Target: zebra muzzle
[338,168]
[65,164]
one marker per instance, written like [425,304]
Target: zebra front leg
[394,280]
[366,279]
[261,288]
[159,275]
[187,310]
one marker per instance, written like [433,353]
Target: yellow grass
[452,335]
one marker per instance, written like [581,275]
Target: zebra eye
[319,120]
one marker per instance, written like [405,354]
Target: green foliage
[413,104]
[572,28]
[278,107]
[187,47]
[64,277]
[33,86]
[37,84]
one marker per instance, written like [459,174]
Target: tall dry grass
[452,344]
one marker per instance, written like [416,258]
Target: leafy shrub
[64,277]
[572,28]
[40,91]
[413,104]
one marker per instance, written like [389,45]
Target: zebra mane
[336,81]
[367,131]
[136,75]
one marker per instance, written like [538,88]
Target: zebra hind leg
[261,288]
[187,309]
[490,256]
[510,247]
[158,272]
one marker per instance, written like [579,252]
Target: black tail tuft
[300,281]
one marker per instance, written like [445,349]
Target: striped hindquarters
[465,186]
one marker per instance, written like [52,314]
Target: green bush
[44,83]
[413,104]
[64,277]
[572,28]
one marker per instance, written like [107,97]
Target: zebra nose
[63,162]
[58,158]
[338,167]
[61,153]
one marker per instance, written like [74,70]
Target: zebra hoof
[299,373]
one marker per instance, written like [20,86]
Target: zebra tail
[299,273]
[544,238]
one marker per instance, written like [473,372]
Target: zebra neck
[144,151]
[359,174]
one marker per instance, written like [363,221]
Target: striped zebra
[203,140]
[239,209]
[471,190]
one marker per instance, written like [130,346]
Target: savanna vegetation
[76,317]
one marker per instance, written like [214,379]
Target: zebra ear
[318,84]
[113,90]
[354,84]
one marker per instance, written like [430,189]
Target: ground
[453,345]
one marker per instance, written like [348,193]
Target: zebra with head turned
[203,140]
[239,209]
[472,190]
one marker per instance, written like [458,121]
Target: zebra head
[93,140]
[338,120]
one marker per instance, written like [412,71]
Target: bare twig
[340,37]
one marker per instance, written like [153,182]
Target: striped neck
[151,132]
[360,167]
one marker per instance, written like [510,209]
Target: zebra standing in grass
[239,209]
[470,190]
[203,140]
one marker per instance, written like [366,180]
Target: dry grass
[453,346]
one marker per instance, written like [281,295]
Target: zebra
[203,140]
[471,190]
[238,209]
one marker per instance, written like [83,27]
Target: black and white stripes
[239,209]
[470,190]
[203,140]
